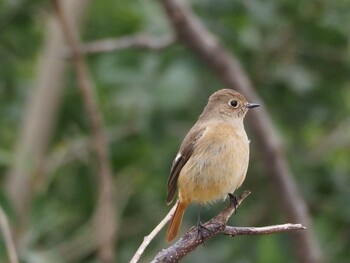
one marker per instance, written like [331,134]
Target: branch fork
[214,227]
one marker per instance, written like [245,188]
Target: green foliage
[113,18]
[295,52]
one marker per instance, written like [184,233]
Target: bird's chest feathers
[221,150]
[218,164]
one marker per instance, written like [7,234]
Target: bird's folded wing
[185,152]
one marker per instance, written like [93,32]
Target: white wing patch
[178,156]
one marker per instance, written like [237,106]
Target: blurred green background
[297,54]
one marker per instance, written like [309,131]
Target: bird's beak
[252,105]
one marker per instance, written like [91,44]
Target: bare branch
[192,33]
[140,41]
[214,227]
[6,232]
[154,232]
[237,231]
[105,210]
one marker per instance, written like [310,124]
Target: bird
[213,158]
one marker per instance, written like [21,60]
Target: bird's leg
[201,227]
[233,201]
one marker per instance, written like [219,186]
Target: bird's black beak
[252,105]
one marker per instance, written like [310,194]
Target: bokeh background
[297,55]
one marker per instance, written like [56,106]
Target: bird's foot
[201,229]
[233,201]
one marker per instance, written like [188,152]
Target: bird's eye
[234,103]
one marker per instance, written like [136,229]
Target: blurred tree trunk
[105,210]
[40,116]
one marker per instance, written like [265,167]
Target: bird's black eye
[234,103]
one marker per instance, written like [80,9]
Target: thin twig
[155,231]
[193,33]
[6,232]
[140,41]
[105,218]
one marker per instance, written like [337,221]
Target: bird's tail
[176,220]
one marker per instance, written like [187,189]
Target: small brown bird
[213,158]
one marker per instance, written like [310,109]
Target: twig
[140,41]
[6,232]
[105,207]
[214,227]
[237,231]
[149,238]
[192,33]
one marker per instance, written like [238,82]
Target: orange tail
[175,222]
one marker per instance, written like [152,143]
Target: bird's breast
[217,166]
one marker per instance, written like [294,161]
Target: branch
[214,227]
[105,221]
[6,232]
[192,33]
[140,41]
[238,231]
[150,237]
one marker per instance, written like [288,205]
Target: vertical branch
[105,228]
[6,232]
[193,34]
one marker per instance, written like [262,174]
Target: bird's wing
[181,159]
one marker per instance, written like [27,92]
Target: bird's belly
[204,180]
